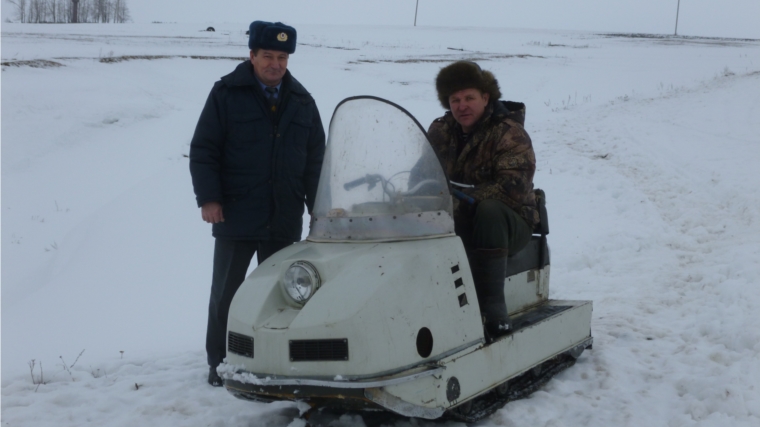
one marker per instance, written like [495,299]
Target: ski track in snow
[652,190]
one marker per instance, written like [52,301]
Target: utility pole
[418,5]
[678,9]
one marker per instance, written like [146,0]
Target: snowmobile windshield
[381,179]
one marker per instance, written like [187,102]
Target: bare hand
[212,212]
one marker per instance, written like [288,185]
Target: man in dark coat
[255,160]
[482,144]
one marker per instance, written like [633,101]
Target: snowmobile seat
[536,254]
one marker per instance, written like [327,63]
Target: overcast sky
[721,18]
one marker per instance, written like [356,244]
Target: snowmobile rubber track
[482,406]
[519,388]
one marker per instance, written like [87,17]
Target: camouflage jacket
[497,158]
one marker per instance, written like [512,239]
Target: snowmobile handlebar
[388,188]
[355,183]
[372,180]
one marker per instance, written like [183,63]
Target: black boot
[489,269]
[213,377]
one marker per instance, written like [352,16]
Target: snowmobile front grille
[319,350]
[240,344]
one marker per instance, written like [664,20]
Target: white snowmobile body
[377,308]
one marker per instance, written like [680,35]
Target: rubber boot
[489,270]
[213,377]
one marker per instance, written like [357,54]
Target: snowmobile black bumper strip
[349,394]
[356,395]
[255,382]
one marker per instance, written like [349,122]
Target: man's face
[270,65]
[467,107]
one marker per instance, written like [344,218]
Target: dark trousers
[231,261]
[493,225]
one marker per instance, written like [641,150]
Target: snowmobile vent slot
[319,350]
[458,282]
[454,269]
[241,344]
[462,300]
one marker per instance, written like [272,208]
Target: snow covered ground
[646,147]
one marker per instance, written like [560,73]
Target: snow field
[679,267]
[646,149]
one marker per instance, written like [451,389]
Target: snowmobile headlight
[301,281]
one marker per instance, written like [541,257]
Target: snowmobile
[376,309]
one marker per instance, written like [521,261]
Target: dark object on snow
[247,32]
[213,377]
[272,36]
[210,29]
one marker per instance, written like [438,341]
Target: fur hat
[271,36]
[465,75]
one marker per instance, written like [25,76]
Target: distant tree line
[71,11]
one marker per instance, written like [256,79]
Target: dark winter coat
[497,158]
[260,166]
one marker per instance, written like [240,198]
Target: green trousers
[492,225]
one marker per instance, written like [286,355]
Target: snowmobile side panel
[482,369]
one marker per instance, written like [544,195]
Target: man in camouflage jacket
[482,144]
